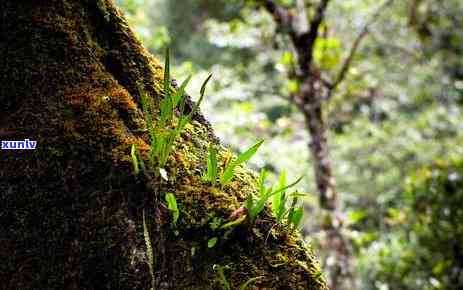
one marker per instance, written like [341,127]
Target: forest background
[394,122]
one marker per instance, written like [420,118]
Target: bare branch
[363,32]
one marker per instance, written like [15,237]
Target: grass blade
[180,92]
[134,159]
[201,97]
[172,205]
[167,73]
[295,217]
[212,170]
[286,187]
[279,199]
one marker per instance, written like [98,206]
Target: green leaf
[261,182]
[166,111]
[180,92]
[233,223]
[296,217]
[279,199]
[134,159]
[211,242]
[212,170]
[245,156]
[356,216]
[167,73]
[201,97]
[172,206]
[286,187]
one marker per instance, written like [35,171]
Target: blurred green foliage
[398,110]
[423,248]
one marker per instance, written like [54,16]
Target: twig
[363,32]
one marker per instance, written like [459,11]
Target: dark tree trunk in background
[314,92]
[71,210]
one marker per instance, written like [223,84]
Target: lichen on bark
[71,210]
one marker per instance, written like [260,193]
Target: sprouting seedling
[212,169]
[254,207]
[172,206]
[243,157]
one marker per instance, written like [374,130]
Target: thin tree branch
[282,17]
[311,36]
[363,32]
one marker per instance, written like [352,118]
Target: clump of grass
[255,206]
[282,209]
[164,132]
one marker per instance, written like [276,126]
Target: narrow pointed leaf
[245,156]
[172,205]
[167,73]
[134,159]
[212,169]
[201,97]
[180,92]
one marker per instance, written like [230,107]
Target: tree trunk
[311,106]
[71,210]
[337,246]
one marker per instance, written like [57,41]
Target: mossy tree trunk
[71,210]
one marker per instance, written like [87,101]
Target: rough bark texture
[71,210]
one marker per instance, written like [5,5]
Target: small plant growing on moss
[163,133]
[292,214]
[173,208]
[255,206]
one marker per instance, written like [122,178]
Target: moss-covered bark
[71,210]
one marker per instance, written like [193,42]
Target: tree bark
[71,210]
